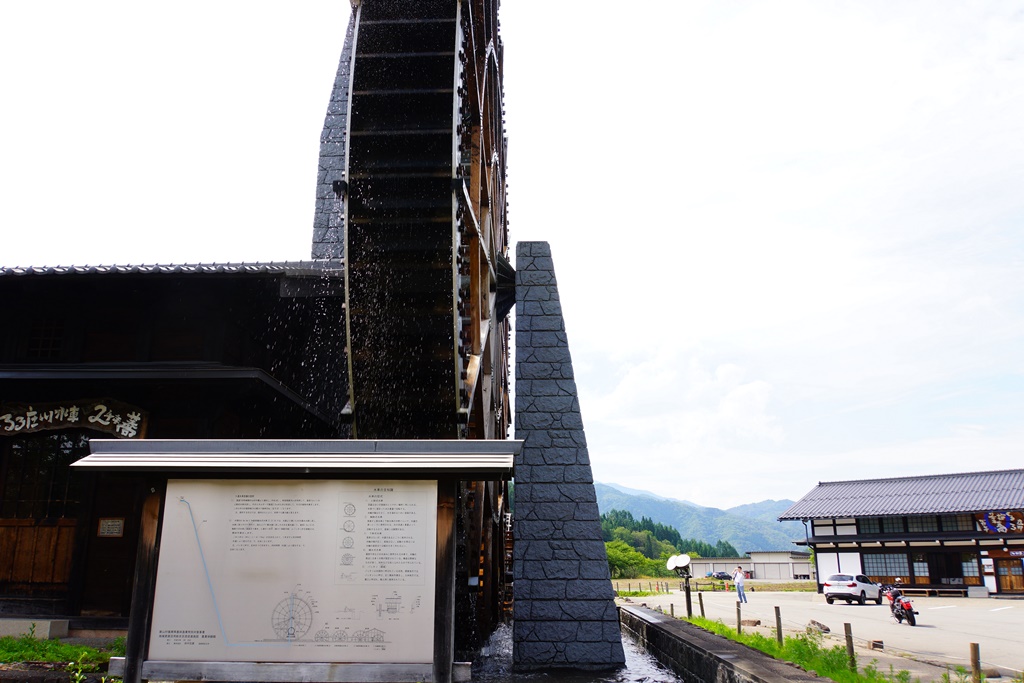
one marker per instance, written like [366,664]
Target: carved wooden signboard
[101,414]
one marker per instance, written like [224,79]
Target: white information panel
[296,571]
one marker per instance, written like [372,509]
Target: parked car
[850,587]
[724,576]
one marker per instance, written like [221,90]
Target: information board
[296,571]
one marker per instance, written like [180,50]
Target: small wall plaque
[111,527]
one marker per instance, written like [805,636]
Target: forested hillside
[656,540]
[640,547]
[745,527]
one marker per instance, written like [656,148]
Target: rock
[813,625]
[750,622]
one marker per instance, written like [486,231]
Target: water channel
[494,665]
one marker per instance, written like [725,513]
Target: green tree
[652,539]
[625,562]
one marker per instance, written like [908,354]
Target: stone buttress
[564,613]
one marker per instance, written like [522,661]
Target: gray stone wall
[328,221]
[564,612]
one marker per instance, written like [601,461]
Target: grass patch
[783,586]
[807,651]
[28,648]
[635,594]
[705,584]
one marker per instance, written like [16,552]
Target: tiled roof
[324,267]
[934,494]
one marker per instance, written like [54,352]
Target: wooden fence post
[975,663]
[778,626]
[849,646]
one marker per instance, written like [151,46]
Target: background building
[782,565]
[937,532]
[198,352]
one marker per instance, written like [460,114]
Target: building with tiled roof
[944,532]
[180,351]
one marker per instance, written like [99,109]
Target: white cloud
[784,232]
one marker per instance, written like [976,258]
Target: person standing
[737,577]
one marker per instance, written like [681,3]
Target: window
[892,525]
[45,340]
[869,525]
[37,482]
[886,564]
[921,568]
[918,525]
[957,523]
[971,568]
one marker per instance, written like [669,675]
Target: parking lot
[946,626]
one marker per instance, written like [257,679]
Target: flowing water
[494,665]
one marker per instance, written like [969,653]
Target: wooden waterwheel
[425,225]
[427,277]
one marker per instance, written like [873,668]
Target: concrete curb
[693,653]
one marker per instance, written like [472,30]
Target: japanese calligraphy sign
[1002,522]
[104,415]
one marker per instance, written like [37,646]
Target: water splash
[494,665]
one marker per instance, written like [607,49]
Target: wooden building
[198,352]
[407,338]
[938,533]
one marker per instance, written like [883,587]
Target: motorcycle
[900,605]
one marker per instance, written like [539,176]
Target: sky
[788,235]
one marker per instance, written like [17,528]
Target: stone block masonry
[328,219]
[564,613]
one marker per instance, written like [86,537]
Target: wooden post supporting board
[140,617]
[444,602]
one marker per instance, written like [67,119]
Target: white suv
[850,587]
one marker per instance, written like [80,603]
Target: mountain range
[753,526]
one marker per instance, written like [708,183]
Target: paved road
[946,626]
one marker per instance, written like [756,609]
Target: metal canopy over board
[452,458]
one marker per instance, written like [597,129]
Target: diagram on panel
[345,635]
[393,606]
[349,552]
[292,617]
[338,631]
